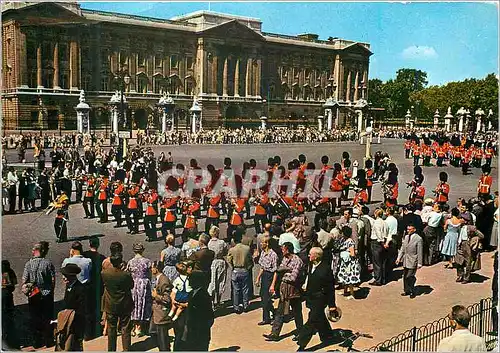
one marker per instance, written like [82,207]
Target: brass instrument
[57,203]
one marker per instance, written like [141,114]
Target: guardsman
[213,211]
[456,156]
[60,222]
[169,215]
[118,202]
[151,216]
[322,208]
[88,199]
[466,157]
[392,189]
[132,214]
[78,176]
[407,147]
[416,154]
[441,155]
[361,195]
[478,157]
[484,185]
[442,189]
[191,223]
[102,200]
[369,178]
[488,155]
[336,187]
[236,219]
[427,156]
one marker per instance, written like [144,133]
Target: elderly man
[461,340]
[346,220]
[320,292]
[410,255]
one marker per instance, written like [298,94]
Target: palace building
[52,51]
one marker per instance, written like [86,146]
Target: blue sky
[450,41]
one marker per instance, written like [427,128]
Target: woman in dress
[170,256]
[494,230]
[219,267]
[190,246]
[140,268]
[349,268]
[450,242]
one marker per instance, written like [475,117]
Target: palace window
[142,84]
[158,61]
[158,84]
[64,80]
[123,58]
[141,59]
[174,62]
[104,82]
[63,52]
[48,78]
[190,62]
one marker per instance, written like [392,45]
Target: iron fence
[428,336]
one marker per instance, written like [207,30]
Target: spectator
[461,340]
[240,259]
[9,282]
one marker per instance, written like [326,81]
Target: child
[180,292]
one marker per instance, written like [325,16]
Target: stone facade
[237,72]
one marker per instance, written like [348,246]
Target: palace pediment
[233,29]
[357,48]
[45,13]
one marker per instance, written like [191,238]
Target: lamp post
[407,119]
[122,80]
[329,106]
[447,120]
[460,113]
[196,112]
[166,104]
[369,131]
[436,119]
[479,116]
[82,115]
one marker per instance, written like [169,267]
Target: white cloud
[419,52]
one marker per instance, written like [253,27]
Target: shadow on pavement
[228,309]
[338,336]
[477,278]
[362,293]
[84,237]
[423,290]
[145,345]
[227,349]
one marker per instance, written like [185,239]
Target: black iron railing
[428,336]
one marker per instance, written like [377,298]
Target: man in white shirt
[77,258]
[378,244]
[390,248]
[12,181]
[461,340]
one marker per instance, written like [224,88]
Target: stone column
[39,82]
[356,85]
[336,76]
[340,82]
[22,60]
[348,87]
[365,81]
[73,65]
[224,78]
[55,83]
[258,78]
[329,115]
[182,73]
[237,78]
[248,85]
[214,74]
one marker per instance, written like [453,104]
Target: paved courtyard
[382,312]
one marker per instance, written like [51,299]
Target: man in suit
[117,301]
[74,299]
[410,217]
[410,255]
[203,258]
[319,293]
[161,306]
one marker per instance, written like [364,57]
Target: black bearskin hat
[443,176]
[368,164]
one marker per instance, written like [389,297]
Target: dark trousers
[61,229]
[239,280]
[116,211]
[150,226]
[415,160]
[41,308]
[409,280]
[165,226]
[296,304]
[230,232]
[407,153]
[102,210]
[464,270]
[266,301]
[9,330]
[379,261]
[440,161]
[465,168]
[126,328]
[12,198]
[316,322]
[259,221]
[79,191]
[162,338]
[93,327]
[132,216]
[369,190]
[88,206]
[209,222]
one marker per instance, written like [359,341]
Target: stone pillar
[340,82]
[248,84]
[55,83]
[23,62]
[115,120]
[237,78]
[214,74]
[329,115]
[365,83]
[258,78]
[193,123]
[39,82]
[356,85]
[73,65]
[202,54]
[337,111]
[224,78]
[182,73]
[164,121]
[348,87]
[320,123]
[360,121]
[336,70]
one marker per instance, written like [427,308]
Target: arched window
[142,83]
[158,83]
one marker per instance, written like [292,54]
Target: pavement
[379,311]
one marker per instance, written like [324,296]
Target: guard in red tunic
[88,199]
[236,219]
[132,215]
[118,202]
[191,223]
[485,182]
[442,189]
[151,216]
[336,186]
[441,155]
[391,186]
[347,173]
[416,154]
[213,211]
[488,154]
[407,147]
[466,157]
[478,157]
[169,215]
[361,196]
[102,200]
[427,155]
[369,178]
